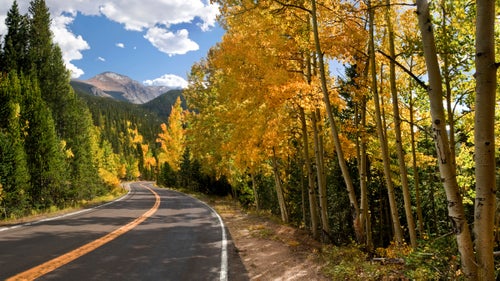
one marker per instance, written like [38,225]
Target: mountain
[119,87]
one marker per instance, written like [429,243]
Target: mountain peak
[112,76]
[121,87]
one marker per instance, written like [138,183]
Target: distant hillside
[112,115]
[162,105]
[119,87]
[109,112]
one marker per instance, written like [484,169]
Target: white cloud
[171,43]
[101,59]
[120,45]
[71,45]
[155,17]
[3,27]
[145,14]
[169,80]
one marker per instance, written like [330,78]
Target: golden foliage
[172,138]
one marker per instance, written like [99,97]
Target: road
[150,234]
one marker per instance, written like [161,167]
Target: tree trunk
[398,236]
[397,130]
[311,186]
[484,135]
[320,171]
[279,189]
[447,84]
[446,167]
[416,178]
[361,153]
[255,194]
[333,124]
[303,195]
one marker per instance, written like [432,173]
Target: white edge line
[223,258]
[126,186]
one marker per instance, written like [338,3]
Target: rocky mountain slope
[119,87]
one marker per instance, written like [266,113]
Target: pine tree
[73,121]
[40,38]
[43,148]
[15,50]
[14,176]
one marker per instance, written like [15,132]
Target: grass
[351,263]
[53,210]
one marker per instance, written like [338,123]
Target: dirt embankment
[266,250]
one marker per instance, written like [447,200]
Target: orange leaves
[247,92]
[172,137]
[342,30]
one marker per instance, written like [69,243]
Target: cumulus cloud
[145,14]
[71,45]
[153,17]
[170,43]
[169,80]
[120,45]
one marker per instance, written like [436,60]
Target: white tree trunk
[279,189]
[397,130]
[310,177]
[484,135]
[398,236]
[446,167]
[333,124]
[320,173]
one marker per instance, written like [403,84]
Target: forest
[61,147]
[368,123]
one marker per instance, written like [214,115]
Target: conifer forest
[369,123]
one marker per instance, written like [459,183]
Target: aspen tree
[416,178]
[333,123]
[398,236]
[456,211]
[172,137]
[397,130]
[484,136]
[311,186]
[320,170]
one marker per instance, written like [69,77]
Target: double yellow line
[55,263]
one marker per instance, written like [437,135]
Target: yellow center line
[55,263]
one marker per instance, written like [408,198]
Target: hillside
[162,105]
[109,110]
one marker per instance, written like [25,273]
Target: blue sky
[151,41]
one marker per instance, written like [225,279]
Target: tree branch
[293,6]
[418,80]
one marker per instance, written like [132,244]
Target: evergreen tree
[40,38]
[14,176]
[43,148]
[72,118]
[15,49]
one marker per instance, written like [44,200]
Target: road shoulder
[262,249]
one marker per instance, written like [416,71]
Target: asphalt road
[150,234]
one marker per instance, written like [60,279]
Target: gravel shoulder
[263,249]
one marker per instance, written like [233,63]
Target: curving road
[150,234]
